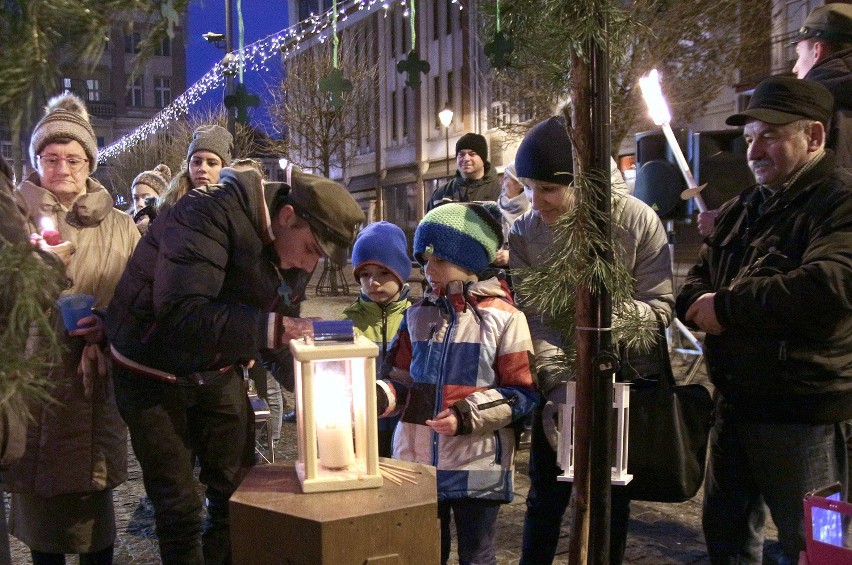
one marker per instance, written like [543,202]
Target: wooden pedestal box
[274,522]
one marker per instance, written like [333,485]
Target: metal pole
[229,77]
[600,449]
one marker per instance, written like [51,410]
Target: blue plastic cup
[75,307]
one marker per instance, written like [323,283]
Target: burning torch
[659,111]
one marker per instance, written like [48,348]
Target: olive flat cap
[332,213]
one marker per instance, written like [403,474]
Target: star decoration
[413,65]
[335,85]
[498,50]
[241,100]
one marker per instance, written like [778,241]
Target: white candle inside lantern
[333,417]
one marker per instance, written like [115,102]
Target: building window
[450,101]
[93,90]
[449,16]
[162,91]
[405,113]
[135,93]
[436,20]
[498,115]
[306,8]
[394,130]
[164,48]
[132,41]
[436,88]
[392,24]
[101,141]
[403,35]
[66,86]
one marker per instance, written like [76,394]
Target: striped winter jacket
[469,349]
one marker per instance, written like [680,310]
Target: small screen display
[828,524]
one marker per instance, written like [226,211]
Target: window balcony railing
[101,109]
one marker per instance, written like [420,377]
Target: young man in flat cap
[201,297]
[475,179]
[824,55]
[773,292]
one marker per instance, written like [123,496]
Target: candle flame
[653,95]
[47,224]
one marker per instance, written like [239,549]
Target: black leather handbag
[669,429]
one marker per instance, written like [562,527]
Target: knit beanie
[510,170]
[215,139]
[474,142]
[383,244]
[65,117]
[465,234]
[545,153]
[158,178]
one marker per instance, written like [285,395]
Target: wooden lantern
[336,419]
[621,428]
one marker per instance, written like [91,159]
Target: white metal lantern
[336,419]
[621,419]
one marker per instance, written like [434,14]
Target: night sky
[261,18]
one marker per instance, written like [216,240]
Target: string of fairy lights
[252,57]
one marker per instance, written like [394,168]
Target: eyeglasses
[53,162]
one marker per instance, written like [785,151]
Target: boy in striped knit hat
[459,375]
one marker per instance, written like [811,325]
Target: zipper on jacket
[384,309]
[439,384]
[782,351]
[510,401]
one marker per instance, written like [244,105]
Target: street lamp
[446,118]
[217,39]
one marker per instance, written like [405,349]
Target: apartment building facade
[115,106]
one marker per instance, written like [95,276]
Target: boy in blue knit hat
[381,266]
[459,375]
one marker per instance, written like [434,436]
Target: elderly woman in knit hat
[211,149]
[513,202]
[76,446]
[145,192]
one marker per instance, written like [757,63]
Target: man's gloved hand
[550,414]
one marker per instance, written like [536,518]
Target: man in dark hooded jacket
[475,179]
[203,295]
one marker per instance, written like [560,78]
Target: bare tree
[698,46]
[169,147]
[316,131]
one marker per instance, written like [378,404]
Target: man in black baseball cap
[824,54]
[772,293]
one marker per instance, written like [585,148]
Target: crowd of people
[198,286]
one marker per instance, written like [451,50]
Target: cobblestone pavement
[659,534]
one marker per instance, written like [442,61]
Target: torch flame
[47,224]
[653,95]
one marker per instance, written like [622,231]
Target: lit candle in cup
[334,421]
[49,232]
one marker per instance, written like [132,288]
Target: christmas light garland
[253,58]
